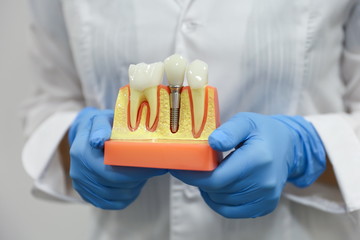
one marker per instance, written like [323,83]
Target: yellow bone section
[121,130]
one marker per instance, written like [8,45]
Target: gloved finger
[250,210]
[71,135]
[111,176]
[99,202]
[130,176]
[232,133]
[101,128]
[77,121]
[234,168]
[83,155]
[112,193]
[89,164]
[245,196]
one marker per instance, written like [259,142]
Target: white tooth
[136,95]
[175,67]
[144,80]
[132,68]
[152,98]
[197,76]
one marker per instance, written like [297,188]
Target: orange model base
[182,155]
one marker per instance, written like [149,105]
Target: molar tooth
[136,98]
[144,80]
[152,98]
[197,76]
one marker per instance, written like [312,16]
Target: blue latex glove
[269,151]
[107,187]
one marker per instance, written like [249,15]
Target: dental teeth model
[175,67]
[154,128]
[197,77]
[144,80]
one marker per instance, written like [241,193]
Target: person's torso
[265,56]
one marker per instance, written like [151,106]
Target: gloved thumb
[79,119]
[232,133]
[101,129]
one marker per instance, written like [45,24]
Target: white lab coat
[265,56]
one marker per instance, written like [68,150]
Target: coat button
[189,26]
[191,192]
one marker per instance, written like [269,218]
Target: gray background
[21,215]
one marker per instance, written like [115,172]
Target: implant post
[175,67]
[175,99]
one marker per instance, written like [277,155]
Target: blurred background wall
[21,215]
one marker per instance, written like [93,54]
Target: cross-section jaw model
[161,126]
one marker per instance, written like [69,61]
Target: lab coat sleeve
[56,101]
[340,133]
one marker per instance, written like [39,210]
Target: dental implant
[175,67]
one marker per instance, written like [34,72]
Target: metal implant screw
[174,119]
[174,108]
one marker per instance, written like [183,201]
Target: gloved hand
[269,150]
[107,187]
